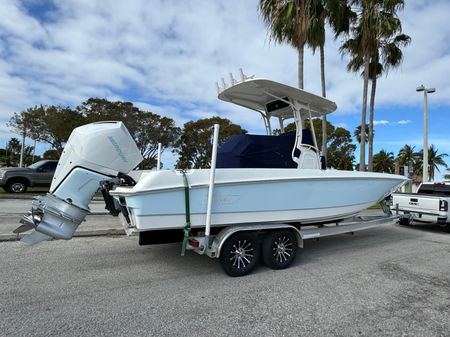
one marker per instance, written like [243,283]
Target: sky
[166,56]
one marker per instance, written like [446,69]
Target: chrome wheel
[279,249]
[240,254]
[282,249]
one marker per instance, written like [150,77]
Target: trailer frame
[213,245]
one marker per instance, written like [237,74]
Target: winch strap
[187,225]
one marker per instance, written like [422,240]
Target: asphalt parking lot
[385,281]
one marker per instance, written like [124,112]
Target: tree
[318,128]
[317,123]
[288,22]
[391,55]
[341,154]
[28,154]
[339,142]
[195,144]
[384,162]
[48,124]
[147,128]
[155,129]
[100,109]
[447,176]
[13,146]
[12,151]
[435,160]
[407,155]
[357,133]
[21,126]
[376,25]
[339,15]
[300,22]
[51,154]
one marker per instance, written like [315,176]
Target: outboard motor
[94,153]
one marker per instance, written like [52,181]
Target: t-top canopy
[271,98]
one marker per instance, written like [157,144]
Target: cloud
[382,122]
[385,122]
[341,125]
[404,121]
[160,58]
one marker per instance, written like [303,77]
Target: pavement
[385,281]
[99,222]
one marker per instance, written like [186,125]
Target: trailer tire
[279,249]
[404,221]
[240,254]
[445,227]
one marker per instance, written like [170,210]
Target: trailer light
[194,243]
[443,205]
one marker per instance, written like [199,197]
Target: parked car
[428,205]
[18,179]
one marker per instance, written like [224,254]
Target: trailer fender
[220,239]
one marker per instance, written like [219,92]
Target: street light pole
[425,129]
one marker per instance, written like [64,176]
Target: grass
[375,206]
[31,192]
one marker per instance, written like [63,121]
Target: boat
[290,186]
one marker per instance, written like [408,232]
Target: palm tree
[288,21]
[316,39]
[339,15]
[377,23]
[14,147]
[375,70]
[357,133]
[392,56]
[301,22]
[407,155]
[434,161]
[384,162]
[447,176]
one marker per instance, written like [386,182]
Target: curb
[93,233]
[30,197]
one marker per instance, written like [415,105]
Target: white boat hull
[157,201]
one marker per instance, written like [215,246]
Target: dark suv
[18,179]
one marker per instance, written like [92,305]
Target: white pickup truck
[428,205]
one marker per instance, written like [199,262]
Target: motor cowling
[94,153]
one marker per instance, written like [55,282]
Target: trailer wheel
[240,254]
[404,221]
[279,249]
[445,227]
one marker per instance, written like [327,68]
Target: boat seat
[307,137]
